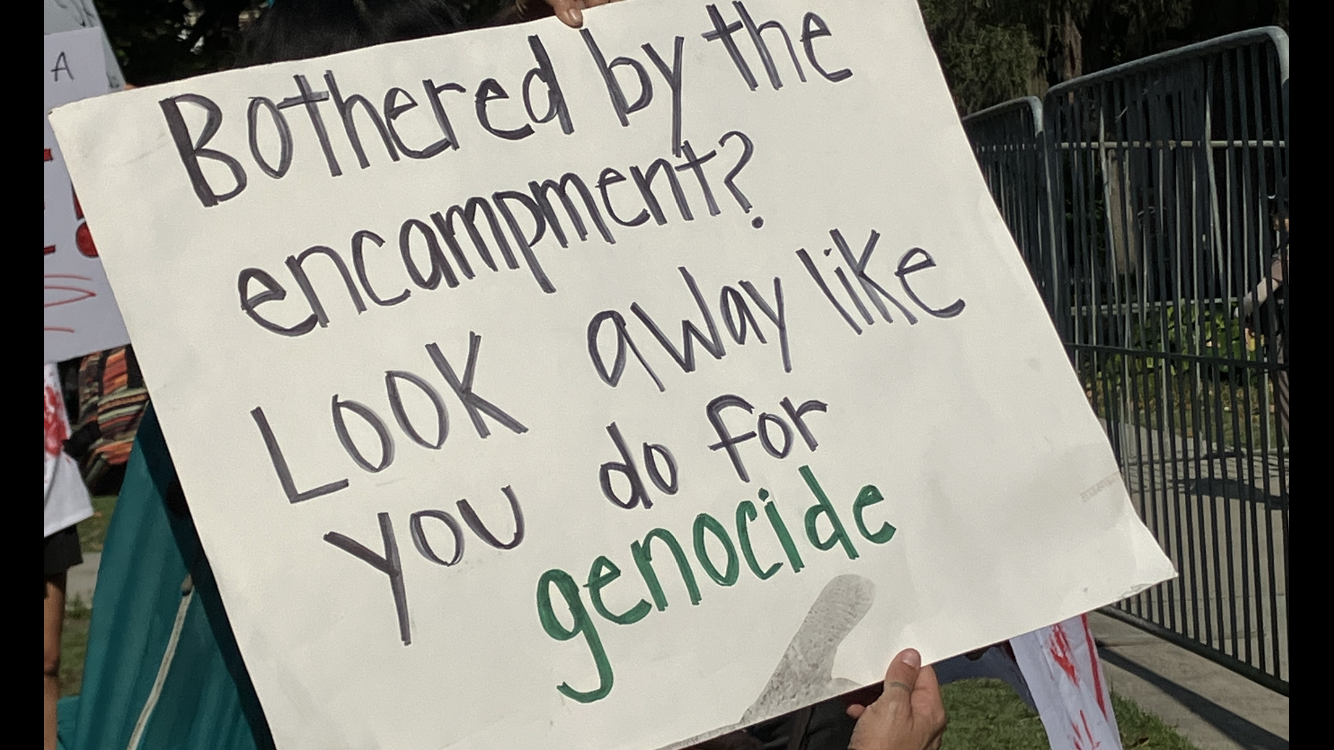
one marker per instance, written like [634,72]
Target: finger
[903,671]
[926,699]
[927,681]
[568,12]
[856,710]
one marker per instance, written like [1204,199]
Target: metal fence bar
[1141,198]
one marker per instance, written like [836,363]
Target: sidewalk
[1214,707]
[82,579]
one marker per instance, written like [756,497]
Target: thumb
[903,671]
[568,11]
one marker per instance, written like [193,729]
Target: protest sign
[79,313]
[70,15]
[605,388]
[1065,679]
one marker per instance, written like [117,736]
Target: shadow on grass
[1245,733]
[988,715]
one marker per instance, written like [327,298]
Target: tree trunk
[1072,47]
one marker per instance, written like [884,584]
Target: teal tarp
[162,669]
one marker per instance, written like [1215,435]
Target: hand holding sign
[908,715]
[571,12]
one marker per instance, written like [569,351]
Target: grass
[78,615]
[74,646]
[1141,730]
[988,715]
[93,531]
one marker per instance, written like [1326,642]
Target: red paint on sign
[1060,652]
[1094,666]
[54,431]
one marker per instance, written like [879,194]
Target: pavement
[82,579]
[1214,707]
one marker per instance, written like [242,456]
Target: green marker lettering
[583,624]
[703,522]
[822,505]
[870,495]
[780,528]
[745,513]
[644,560]
[601,573]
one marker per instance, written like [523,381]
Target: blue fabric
[206,699]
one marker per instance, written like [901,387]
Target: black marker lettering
[423,546]
[950,310]
[295,264]
[685,358]
[393,110]
[727,440]
[673,75]
[478,528]
[273,292]
[359,264]
[695,164]
[644,181]
[778,317]
[489,91]
[738,318]
[309,100]
[556,106]
[445,224]
[541,193]
[439,264]
[525,243]
[284,137]
[813,27]
[390,565]
[283,471]
[763,49]
[829,295]
[345,108]
[723,32]
[391,378]
[869,285]
[619,103]
[609,177]
[797,416]
[612,377]
[476,405]
[337,406]
[191,150]
[438,109]
[627,468]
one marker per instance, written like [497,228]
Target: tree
[986,49]
[995,50]
[164,40]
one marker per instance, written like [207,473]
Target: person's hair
[298,29]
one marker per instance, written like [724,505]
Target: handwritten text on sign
[540,387]
[79,313]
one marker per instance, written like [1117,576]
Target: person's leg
[53,620]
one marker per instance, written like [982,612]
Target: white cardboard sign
[766,397]
[79,313]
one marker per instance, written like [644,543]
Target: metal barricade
[1165,269]
[1007,140]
